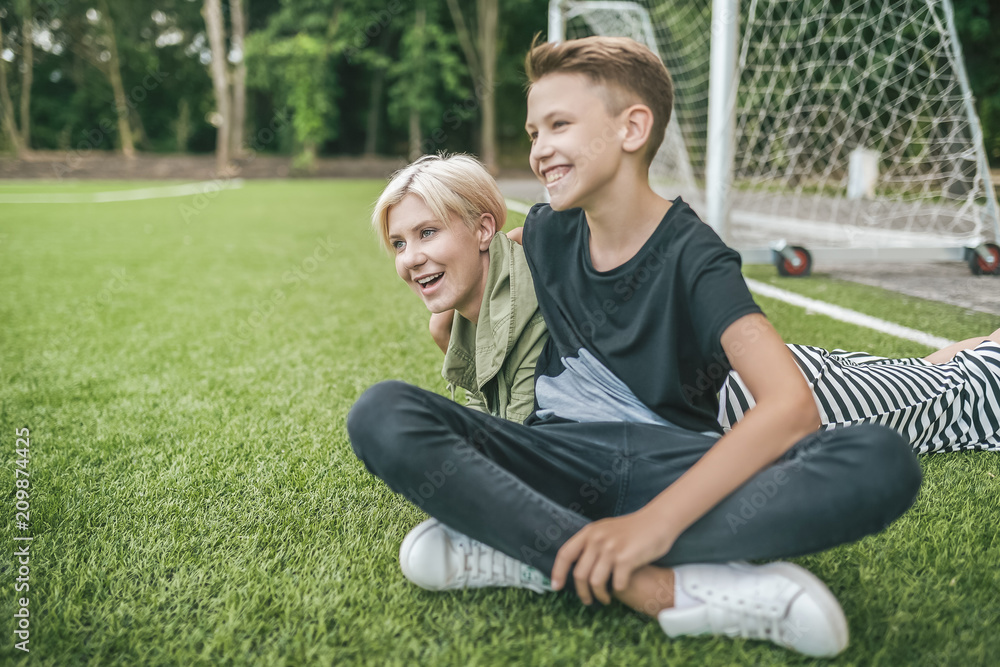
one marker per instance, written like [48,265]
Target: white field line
[847,315]
[517,207]
[816,306]
[200,188]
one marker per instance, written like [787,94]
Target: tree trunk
[7,107]
[415,136]
[481,58]
[375,102]
[239,79]
[28,63]
[217,42]
[488,22]
[114,72]
[374,112]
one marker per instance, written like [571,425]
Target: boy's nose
[540,149]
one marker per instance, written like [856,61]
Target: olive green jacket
[495,361]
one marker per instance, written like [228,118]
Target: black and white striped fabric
[939,407]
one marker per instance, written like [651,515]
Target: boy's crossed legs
[526,490]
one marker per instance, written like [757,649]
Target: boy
[647,311]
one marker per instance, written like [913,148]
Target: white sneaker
[780,602]
[438,558]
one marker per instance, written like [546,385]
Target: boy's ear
[486,231]
[638,125]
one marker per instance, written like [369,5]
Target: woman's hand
[610,548]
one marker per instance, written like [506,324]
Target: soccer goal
[834,131]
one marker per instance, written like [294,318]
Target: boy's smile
[444,263]
[575,140]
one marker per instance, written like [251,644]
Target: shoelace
[752,620]
[485,565]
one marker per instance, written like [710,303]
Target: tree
[427,71]
[479,44]
[19,137]
[27,73]
[10,129]
[228,83]
[113,70]
[236,135]
[220,80]
[291,59]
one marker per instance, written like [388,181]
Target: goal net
[854,121]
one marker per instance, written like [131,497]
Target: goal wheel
[983,267]
[787,268]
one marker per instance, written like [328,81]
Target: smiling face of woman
[444,262]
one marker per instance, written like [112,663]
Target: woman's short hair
[449,185]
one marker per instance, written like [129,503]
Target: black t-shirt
[655,322]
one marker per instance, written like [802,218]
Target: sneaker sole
[816,589]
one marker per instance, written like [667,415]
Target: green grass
[195,501]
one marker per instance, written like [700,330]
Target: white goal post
[845,126]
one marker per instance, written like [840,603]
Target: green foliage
[427,71]
[978,26]
[317,59]
[296,70]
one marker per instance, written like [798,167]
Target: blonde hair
[624,68]
[449,185]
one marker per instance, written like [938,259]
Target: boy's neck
[621,219]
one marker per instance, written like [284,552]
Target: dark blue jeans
[525,490]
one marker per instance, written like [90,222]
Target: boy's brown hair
[628,71]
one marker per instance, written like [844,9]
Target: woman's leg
[946,354]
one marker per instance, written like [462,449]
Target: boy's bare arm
[785,413]
[440,326]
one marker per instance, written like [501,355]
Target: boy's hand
[440,327]
[615,548]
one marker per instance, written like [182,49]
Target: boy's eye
[559,123]
[532,136]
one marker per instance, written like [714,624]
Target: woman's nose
[413,257]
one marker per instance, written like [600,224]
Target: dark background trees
[395,77]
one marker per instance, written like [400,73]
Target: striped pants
[937,407]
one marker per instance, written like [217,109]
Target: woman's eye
[425,233]
[397,245]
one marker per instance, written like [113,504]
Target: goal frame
[722,92]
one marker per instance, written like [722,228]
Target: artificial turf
[185,369]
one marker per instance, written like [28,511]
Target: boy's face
[576,142]
[441,261]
